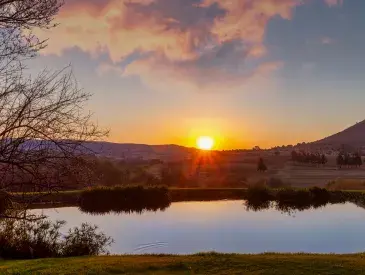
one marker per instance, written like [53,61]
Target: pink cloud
[182,35]
[333,3]
[327,41]
[160,74]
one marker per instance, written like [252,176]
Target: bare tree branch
[43,125]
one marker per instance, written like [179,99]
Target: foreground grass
[211,263]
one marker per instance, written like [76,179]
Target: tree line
[312,158]
[349,160]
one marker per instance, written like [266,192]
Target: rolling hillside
[353,136]
[139,151]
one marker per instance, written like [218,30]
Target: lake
[226,226]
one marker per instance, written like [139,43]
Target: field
[304,175]
[307,177]
[210,263]
[241,171]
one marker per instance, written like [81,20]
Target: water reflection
[291,200]
[145,247]
[124,200]
[227,226]
[286,201]
[124,207]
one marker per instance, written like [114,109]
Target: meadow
[207,263]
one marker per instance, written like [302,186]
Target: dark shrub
[21,239]
[5,201]
[258,198]
[320,196]
[293,199]
[25,240]
[259,193]
[124,199]
[258,205]
[276,183]
[85,241]
[338,197]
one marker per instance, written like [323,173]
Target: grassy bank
[211,263]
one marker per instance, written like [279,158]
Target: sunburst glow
[205,143]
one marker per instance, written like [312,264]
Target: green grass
[343,184]
[210,263]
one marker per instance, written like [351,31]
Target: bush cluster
[124,199]
[41,238]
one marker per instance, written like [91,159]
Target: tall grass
[206,194]
[40,238]
[342,184]
[124,199]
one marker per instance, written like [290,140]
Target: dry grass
[342,184]
[208,263]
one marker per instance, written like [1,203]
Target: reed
[124,199]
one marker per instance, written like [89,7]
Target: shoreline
[71,198]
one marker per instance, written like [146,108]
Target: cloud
[327,41]
[195,40]
[333,3]
[162,74]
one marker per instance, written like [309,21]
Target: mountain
[353,136]
[139,151]
[122,151]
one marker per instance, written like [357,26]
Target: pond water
[226,226]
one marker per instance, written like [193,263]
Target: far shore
[71,198]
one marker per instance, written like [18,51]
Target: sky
[246,72]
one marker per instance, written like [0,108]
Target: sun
[205,143]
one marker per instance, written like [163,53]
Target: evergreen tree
[261,166]
[358,160]
[294,156]
[324,159]
[346,159]
[340,160]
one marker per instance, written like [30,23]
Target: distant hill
[139,151]
[353,136]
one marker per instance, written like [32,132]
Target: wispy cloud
[327,40]
[199,41]
[333,3]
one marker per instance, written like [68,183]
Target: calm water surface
[226,226]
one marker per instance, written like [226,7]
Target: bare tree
[43,126]
[18,18]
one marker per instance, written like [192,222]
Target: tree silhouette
[340,161]
[43,127]
[261,166]
[358,160]
[309,158]
[324,159]
[349,160]
[294,156]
